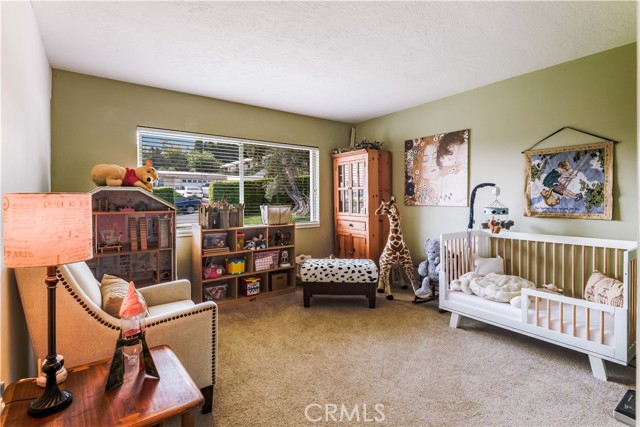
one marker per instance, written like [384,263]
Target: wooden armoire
[360,179]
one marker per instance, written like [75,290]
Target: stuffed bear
[116,176]
[429,269]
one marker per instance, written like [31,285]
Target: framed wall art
[570,182]
[436,170]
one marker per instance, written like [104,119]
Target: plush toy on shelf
[213,271]
[116,176]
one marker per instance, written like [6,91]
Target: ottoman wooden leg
[372,295]
[306,295]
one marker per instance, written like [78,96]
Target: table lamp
[46,230]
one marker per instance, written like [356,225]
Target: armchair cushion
[113,290]
[159,310]
[86,281]
[163,293]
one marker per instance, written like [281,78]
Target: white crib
[603,332]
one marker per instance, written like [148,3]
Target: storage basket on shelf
[214,293]
[275,214]
[266,260]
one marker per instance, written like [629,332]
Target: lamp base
[52,401]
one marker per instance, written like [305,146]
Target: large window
[197,169]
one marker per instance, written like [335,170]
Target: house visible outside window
[197,169]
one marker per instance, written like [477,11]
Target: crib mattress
[512,313]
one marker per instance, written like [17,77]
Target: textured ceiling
[345,61]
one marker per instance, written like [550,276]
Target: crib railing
[456,253]
[567,265]
[547,310]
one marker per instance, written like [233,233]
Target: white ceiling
[345,61]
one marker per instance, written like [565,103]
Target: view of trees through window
[199,169]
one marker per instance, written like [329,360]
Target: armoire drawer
[352,225]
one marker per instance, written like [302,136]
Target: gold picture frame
[570,182]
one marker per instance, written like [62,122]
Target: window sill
[186,231]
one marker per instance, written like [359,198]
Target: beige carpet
[277,359]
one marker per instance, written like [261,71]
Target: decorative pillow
[113,290]
[484,266]
[604,290]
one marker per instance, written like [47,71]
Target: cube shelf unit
[133,235]
[216,246]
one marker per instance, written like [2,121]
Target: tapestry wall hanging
[570,182]
[436,169]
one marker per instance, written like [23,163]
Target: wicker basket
[275,215]
[265,260]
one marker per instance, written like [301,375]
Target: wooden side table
[140,401]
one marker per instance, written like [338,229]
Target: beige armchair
[86,333]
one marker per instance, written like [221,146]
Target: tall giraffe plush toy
[395,251]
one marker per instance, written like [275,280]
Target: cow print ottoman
[339,277]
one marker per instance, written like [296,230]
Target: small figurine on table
[131,340]
[284,259]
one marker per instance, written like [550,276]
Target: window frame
[314,166]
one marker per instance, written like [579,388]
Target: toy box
[250,286]
[278,281]
[214,293]
[235,265]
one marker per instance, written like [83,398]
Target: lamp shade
[46,229]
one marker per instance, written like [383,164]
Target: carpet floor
[400,364]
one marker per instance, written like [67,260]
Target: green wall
[595,93]
[94,121]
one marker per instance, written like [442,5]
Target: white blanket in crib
[494,287]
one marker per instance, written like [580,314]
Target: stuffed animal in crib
[116,176]
[429,269]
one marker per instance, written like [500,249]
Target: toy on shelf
[116,176]
[256,242]
[213,271]
[235,266]
[277,238]
[286,238]
[284,259]
[250,286]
